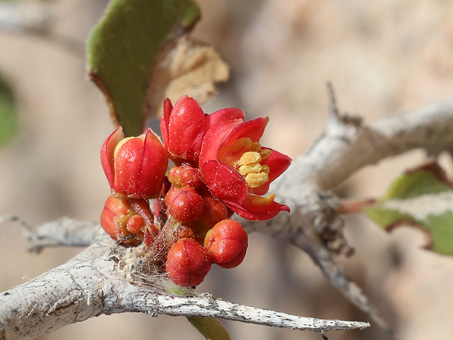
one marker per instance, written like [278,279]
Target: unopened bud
[184,204]
[188,262]
[184,176]
[115,219]
[227,242]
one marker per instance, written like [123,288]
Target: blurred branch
[64,232]
[38,19]
[314,224]
[94,283]
[25,17]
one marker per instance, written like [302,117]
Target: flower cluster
[182,217]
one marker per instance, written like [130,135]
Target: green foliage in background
[122,49]
[423,198]
[8,113]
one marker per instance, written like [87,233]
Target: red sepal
[257,208]
[224,182]
[107,153]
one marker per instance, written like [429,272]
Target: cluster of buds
[182,217]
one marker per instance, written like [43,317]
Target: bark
[99,281]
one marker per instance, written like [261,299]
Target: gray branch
[91,283]
[347,146]
[95,283]
[64,231]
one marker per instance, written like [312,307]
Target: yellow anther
[250,157]
[244,170]
[249,166]
[254,180]
[265,153]
[239,144]
[255,146]
[262,200]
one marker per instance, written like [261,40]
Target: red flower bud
[188,262]
[182,129]
[134,166]
[227,242]
[213,211]
[184,176]
[184,204]
[135,224]
[115,221]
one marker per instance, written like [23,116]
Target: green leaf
[123,47]
[210,328]
[8,113]
[423,198]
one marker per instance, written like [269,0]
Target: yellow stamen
[256,146]
[250,157]
[265,153]
[256,180]
[239,144]
[247,169]
[249,166]
[262,200]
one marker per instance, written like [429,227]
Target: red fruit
[227,242]
[184,204]
[188,262]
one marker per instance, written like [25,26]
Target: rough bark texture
[95,282]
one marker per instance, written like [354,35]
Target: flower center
[249,166]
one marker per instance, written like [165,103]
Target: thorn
[333,108]
[323,336]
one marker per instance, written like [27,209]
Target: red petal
[153,167]
[224,116]
[107,153]
[218,125]
[252,129]
[165,121]
[257,208]
[277,163]
[224,182]
[186,130]
[128,162]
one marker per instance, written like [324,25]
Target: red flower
[135,166]
[236,169]
[182,129]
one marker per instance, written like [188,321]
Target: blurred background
[383,58]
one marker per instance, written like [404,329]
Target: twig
[64,232]
[93,283]
[348,145]
[37,19]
